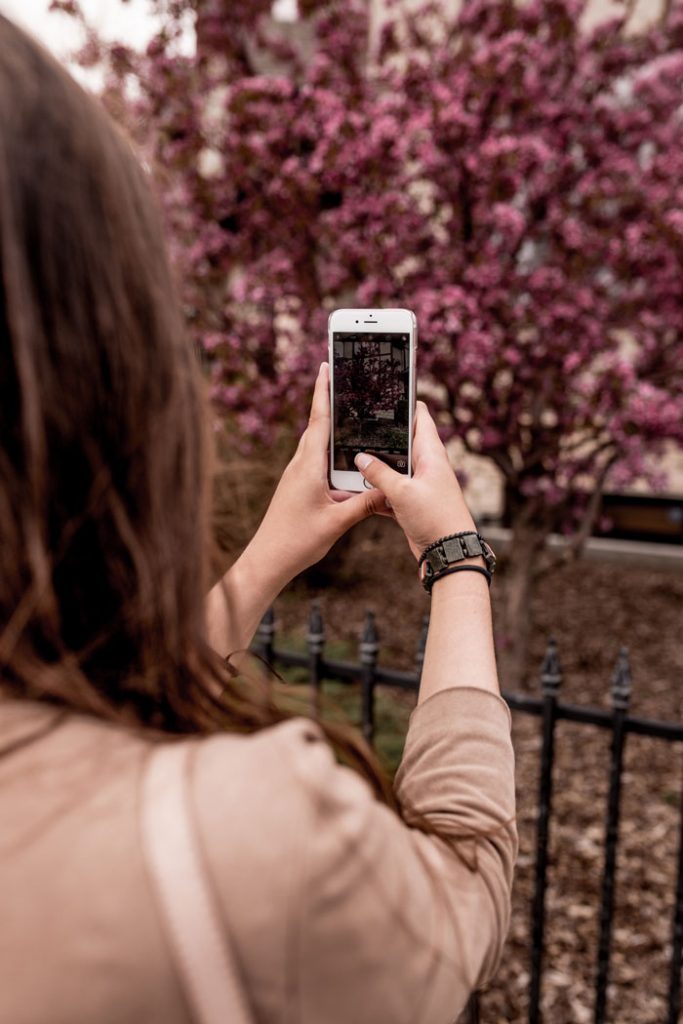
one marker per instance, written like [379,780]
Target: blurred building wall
[644,10]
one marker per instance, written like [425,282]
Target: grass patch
[392,710]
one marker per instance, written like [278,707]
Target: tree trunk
[516,586]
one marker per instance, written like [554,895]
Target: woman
[341,900]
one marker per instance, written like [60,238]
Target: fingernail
[362,460]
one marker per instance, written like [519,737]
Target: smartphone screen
[371,397]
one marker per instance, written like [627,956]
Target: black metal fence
[550,710]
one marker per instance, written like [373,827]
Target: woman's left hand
[306,516]
[304,519]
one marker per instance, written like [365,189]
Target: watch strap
[449,550]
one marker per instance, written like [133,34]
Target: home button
[366,483]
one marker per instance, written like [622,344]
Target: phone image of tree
[371,396]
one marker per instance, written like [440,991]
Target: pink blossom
[514,179]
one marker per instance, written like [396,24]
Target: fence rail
[550,710]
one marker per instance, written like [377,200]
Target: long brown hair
[106,458]
[106,454]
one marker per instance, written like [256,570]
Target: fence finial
[551,670]
[316,629]
[621,681]
[369,641]
[421,644]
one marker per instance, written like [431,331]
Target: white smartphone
[372,391]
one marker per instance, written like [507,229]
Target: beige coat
[337,912]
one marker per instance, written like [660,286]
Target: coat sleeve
[393,926]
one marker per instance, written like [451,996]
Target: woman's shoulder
[262,803]
[280,779]
[335,907]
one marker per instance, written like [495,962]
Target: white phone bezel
[381,321]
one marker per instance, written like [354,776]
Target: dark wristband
[429,581]
[447,551]
[451,536]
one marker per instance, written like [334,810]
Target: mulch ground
[591,610]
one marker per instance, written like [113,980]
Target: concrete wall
[644,10]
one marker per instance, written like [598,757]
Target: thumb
[361,506]
[379,474]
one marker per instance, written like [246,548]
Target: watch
[455,548]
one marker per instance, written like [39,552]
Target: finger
[379,474]
[426,441]
[318,430]
[341,495]
[361,506]
[381,506]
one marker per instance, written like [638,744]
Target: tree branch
[572,550]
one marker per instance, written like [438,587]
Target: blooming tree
[367,383]
[550,296]
[509,175]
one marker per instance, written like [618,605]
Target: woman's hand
[304,519]
[429,504]
[305,516]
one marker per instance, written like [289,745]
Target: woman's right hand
[430,504]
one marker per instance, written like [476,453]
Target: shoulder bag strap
[188,910]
